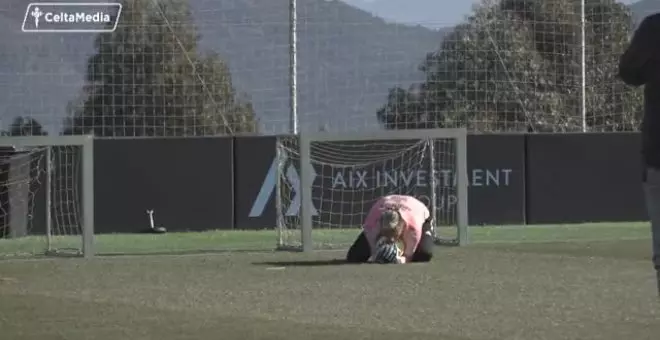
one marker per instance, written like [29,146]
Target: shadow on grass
[315,263]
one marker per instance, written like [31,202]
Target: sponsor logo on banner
[269,186]
[416,182]
[413,181]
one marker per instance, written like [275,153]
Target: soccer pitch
[591,281]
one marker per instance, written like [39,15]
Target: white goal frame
[86,142]
[306,178]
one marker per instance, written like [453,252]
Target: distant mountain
[644,8]
[347,61]
[428,13]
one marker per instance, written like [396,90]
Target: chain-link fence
[202,67]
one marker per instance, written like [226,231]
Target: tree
[404,110]
[149,79]
[25,126]
[515,65]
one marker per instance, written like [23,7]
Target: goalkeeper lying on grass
[392,220]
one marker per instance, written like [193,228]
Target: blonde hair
[391,224]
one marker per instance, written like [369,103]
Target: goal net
[328,183]
[45,196]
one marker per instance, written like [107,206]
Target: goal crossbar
[420,134]
[459,135]
[35,141]
[86,142]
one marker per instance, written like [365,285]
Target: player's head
[391,224]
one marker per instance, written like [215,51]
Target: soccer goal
[328,182]
[46,196]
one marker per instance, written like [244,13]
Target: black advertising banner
[254,180]
[573,178]
[496,175]
[349,177]
[188,182]
[210,183]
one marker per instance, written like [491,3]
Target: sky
[429,13]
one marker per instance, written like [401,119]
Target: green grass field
[265,240]
[591,281]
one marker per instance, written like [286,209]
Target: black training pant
[652,192]
[360,251]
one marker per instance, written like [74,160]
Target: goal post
[342,175]
[49,186]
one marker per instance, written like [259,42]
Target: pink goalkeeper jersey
[413,212]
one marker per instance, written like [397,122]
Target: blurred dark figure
[640,65]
